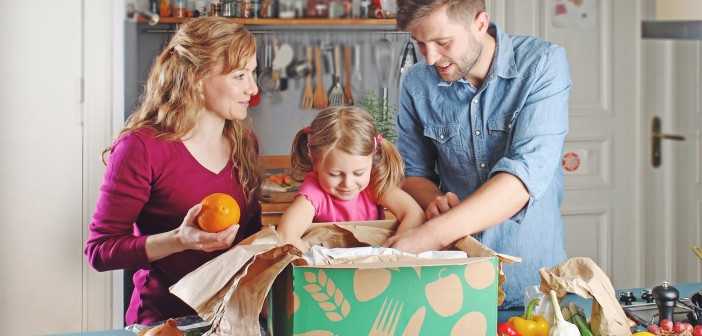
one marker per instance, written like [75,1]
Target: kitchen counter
[686,290]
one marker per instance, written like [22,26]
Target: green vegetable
[578,318]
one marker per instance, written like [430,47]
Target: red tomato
[679,327]
[654,329]
[697,331]
[667,325]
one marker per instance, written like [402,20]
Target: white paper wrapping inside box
[319,255]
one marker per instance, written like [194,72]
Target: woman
[190,137]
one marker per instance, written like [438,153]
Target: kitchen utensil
[336,92]
[348,97]
[320,97]
[266,80]
[357,78]
[307,96]
[698,251]
[284,56]
[383,53]
[301,67]
[408,58]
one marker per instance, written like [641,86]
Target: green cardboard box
[421,297]
[377,296]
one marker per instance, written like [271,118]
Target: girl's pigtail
[299,156]
[388,170]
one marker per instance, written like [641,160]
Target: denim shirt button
[477,133]
[509,126]
[475,101]
[482,165]
[441,137]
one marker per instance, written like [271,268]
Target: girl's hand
[441,204]
[193,238]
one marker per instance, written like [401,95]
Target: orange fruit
[219,211]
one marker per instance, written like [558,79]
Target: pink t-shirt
[331,209]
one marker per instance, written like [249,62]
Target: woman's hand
[188,236]
[441,204]
[193,238]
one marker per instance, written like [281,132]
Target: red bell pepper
[506,329]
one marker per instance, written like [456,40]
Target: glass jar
[300,8]
[216,8]
[286,9]
[180,9]
[317,8]
[228,8]
[164,8]
[255,9]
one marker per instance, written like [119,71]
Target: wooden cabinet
[273,204]
[271,212]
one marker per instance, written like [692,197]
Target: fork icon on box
[385,325]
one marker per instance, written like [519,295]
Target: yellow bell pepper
[528,324]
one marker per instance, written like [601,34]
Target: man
[481,125]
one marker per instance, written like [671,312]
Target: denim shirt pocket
[499,129]
[449,145]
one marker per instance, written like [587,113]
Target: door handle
[656,137]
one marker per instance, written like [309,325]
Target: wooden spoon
[348,97]
[320,96]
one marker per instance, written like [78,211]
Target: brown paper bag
[584,278]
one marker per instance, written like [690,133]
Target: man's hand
[441,204]
[415,240]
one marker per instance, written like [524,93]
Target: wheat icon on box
[330,298]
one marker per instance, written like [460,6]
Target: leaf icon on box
[330,298]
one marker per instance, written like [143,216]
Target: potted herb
[383,113]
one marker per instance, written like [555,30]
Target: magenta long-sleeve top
[149,186]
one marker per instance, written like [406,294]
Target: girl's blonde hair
[352,130]
[172,101]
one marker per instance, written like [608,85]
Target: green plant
[383,114]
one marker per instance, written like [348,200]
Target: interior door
[672,90]
[600,206]
[41,169]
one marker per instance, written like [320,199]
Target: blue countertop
[685,291]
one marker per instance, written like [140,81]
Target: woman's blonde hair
[351,130]
[172,101]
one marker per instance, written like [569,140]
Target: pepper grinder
[666,297]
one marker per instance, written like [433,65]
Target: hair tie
[378,138]
[307,129]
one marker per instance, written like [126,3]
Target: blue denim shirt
[459,136]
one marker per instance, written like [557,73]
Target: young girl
[350,174]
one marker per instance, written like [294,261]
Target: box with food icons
[433,297]
[386,294]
